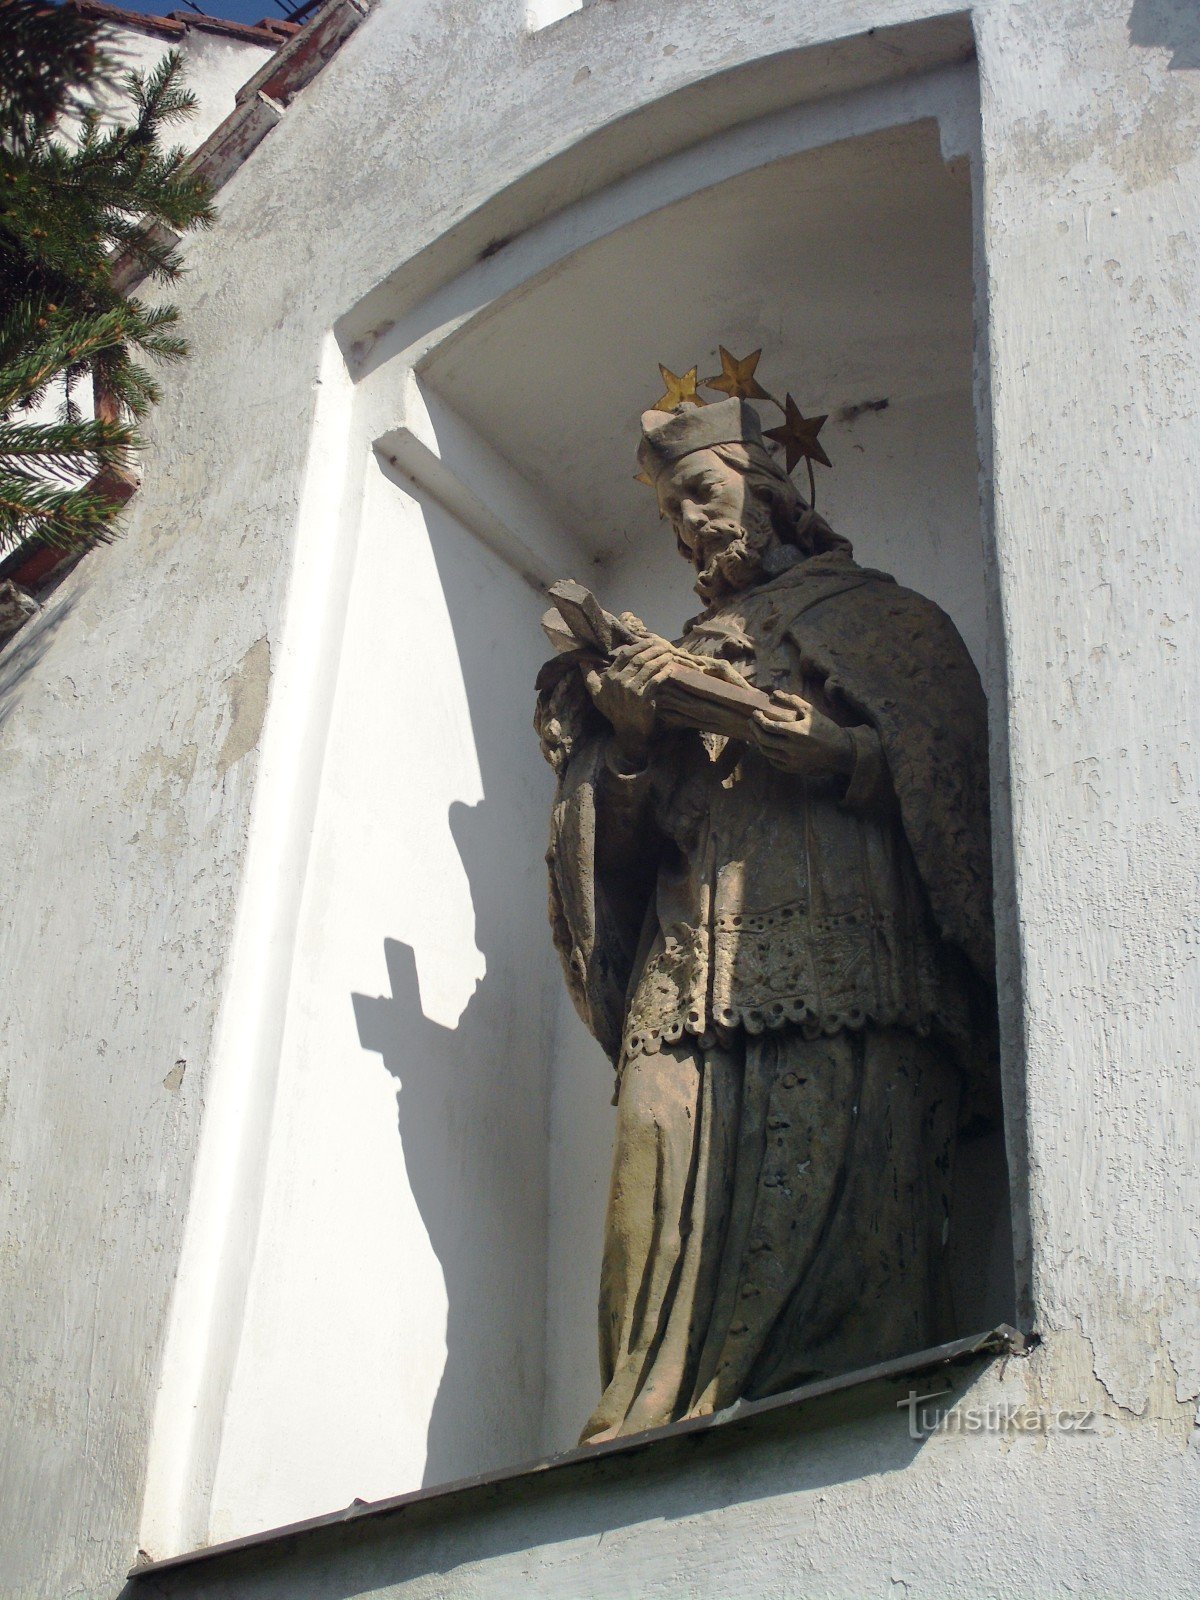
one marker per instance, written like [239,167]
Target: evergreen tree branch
[68,450]
[72,206]
[32,508]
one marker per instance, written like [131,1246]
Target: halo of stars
[737,380]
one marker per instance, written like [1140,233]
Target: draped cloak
[713,905]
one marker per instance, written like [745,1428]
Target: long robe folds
[793,979]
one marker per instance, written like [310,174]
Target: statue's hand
[796,737]
[624,692]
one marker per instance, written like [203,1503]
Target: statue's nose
[693,516]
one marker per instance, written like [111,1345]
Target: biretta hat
[668,436]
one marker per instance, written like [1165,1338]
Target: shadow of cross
[462,1135]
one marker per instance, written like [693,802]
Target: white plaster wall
[130,713]
[1095,393]
[216,69]
[394,1328]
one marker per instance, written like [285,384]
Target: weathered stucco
[129,711]
[1094,393]
[119,883]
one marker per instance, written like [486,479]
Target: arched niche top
[748,98]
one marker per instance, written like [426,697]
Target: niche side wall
[394,1329]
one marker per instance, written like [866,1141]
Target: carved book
[697,694]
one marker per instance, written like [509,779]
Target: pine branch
[34,350]
[127,385]
[70,210]
[68,450]
[160,95]
[32,508]
[49,56]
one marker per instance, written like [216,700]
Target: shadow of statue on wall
[471,1101]
[1168,25]
[470,1123]
[454,1092]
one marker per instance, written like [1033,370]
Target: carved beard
[740,562]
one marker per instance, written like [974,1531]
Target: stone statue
[772,898]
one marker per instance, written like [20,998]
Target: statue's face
[702,496]
[725,529]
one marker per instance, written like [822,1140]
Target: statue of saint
[782,936]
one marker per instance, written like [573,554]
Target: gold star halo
[679,391]
[736,377]
[798,436]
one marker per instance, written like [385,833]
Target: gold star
[680,391]
[798,436]
[736,378]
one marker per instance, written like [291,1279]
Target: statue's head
[738,518]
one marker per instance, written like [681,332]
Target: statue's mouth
[735,565]
[713,540]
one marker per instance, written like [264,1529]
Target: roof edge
[175,24]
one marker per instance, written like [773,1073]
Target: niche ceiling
[849,265]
